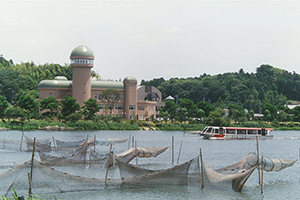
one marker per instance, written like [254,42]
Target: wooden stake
[114,159]
[202,171]
[31,169]
[172,150]
[258,162]
[136,154]
[129,141]
[21,140]
[95,142]
[262,175]
[108,162]
[132,141]
[179,152]
[90,156]
[55,148]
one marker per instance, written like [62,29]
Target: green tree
[236,112]
[110,97]
[206,107]
[216,117]
[90,108]
[269,111]
[15,112]
[50,107]
[30,106]
[171,108]
[296,112]
[3,106]
[69,107]
[190,107]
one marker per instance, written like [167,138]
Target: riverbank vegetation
[232,99]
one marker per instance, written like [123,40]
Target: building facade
[136,102]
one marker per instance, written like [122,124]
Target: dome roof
[107,84]
[62,78]
[82,51]
[55,84]
[130,78]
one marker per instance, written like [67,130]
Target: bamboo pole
[95,142]
[258,162]
[262,175]
[136,153]
[202,171]
[179,152]
[108,162]
[172,150]
[129,141]
[31,169]
[90,156]
[114,159]
[21,140]
[54,144]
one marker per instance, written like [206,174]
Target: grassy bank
[134,125]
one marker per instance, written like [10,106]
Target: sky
[154,39]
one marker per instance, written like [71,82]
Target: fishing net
[14,145]
[136,175]
[109,141]
[77,156]
[234,180]
[67,145]
[40,144]
[47,180]
[131,153]
[187,173]
[274,164]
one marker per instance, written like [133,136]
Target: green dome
[130,78]
[107,84]
[55,84]
[61,78]
[82,51]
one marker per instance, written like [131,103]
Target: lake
[284,184]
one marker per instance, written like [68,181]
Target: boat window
[252,132]
[210,130]
[205,129]
[230,131]
[222,131]
[216,130]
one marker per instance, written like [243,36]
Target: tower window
[131,107]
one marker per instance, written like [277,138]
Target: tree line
[206,98]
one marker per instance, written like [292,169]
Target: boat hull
[233,136]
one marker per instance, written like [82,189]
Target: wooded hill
[267,85]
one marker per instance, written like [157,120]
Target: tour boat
[213,132]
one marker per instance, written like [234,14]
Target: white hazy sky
[153,39]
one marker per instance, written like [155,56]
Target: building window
[141,108]
[50,94]
[131,107]
[141,117]
[132,117]
[85,61]
[101,106]
[150,108]
[96,96]
[119,107]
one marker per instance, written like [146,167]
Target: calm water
[217,153]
